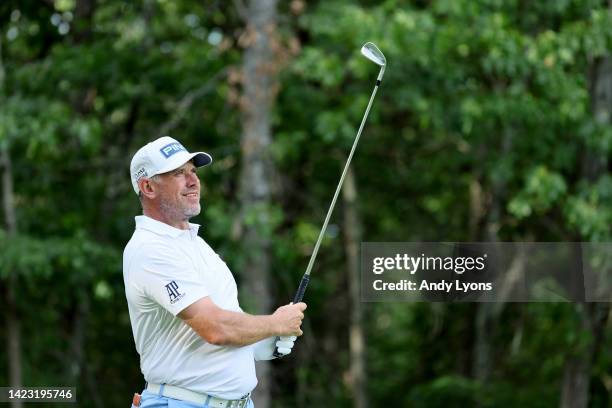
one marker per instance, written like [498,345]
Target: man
[197,347]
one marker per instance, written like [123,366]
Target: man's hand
[288,319]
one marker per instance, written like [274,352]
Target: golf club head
[374,54]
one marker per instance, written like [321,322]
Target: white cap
[161,156]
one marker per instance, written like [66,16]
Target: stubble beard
[179,211]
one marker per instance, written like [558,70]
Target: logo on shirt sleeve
[173,292]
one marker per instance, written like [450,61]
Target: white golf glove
[285,344]
[264,349]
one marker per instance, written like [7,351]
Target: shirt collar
[161,228]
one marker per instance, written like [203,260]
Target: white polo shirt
[166,269]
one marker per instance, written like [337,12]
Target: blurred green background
[493,123]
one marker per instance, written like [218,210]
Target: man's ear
[146,187]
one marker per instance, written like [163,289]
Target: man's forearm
[234,328]
[224,327]
[241,329]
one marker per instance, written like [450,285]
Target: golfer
[197,347]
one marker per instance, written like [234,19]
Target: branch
[185,103]
[2,71]
[242,10]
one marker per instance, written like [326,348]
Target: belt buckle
[236,404]
[240,403]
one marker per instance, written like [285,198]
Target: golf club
[373,53]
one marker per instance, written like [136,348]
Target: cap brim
[199,159]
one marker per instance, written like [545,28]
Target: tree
[256,190]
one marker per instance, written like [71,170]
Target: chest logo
[173,292]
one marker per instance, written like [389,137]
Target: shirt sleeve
[168,278]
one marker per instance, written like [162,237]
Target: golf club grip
[299,295]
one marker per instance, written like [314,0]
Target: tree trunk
[259,76]
[352,238]
[79,315]
[84,11]
[577,372]
[13,324]
[577,375]
[485,311]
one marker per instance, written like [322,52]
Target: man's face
[179,193]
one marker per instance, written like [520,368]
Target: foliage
[490,97]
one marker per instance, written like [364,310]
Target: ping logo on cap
[169,149]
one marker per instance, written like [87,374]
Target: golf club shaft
[299,295]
